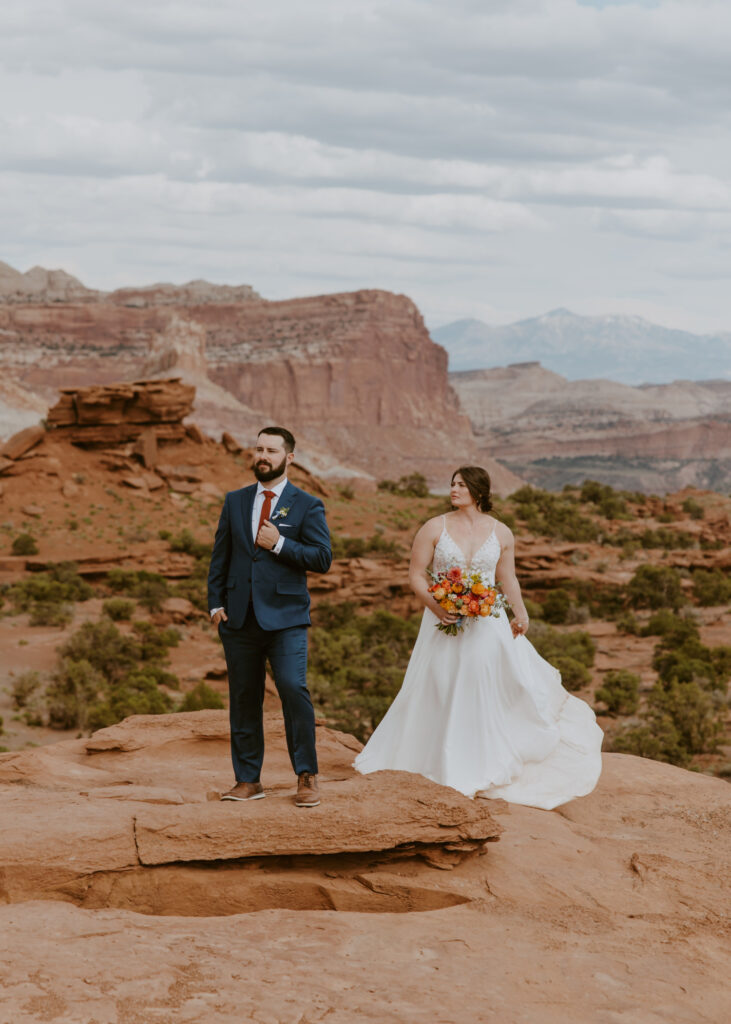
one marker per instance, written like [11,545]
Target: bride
[482,711]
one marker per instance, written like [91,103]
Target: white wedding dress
[484,713]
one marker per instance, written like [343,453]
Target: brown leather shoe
[308,793]
[245,791]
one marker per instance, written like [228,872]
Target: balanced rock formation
[131,894]
[116,413]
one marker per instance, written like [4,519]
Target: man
[269,535]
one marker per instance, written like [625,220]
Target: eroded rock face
[613,906]
[98,808]
[552,431]
[116,413]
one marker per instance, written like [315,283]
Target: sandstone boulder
[22,442]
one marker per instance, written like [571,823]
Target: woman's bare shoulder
[504,533]
[432,527]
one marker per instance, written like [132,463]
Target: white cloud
[491,159]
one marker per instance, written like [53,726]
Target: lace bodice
[448,553]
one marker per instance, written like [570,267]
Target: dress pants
[247,650]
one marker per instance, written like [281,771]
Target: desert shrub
[692,508]
[346,492]
[136,694]
[24,544]
[357,664]
[185,541]
[628,623]
[610,503]
[74,688]
[47,613]
[150,588]
[359,547]
[153,642]
[620,691]
[414,485]
[553,515]
[574,674]
[58,584]
[200,697]
[667,539]
[681,657]
[118,609]
[667,623]
[655,586]
[551,644]
[23,689]
[711,586]
[556,605]
[101,644]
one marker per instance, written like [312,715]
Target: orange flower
[484,610]
[478,588]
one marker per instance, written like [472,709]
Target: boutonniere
[281,513]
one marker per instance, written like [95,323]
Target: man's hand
[268,535]
[219,616]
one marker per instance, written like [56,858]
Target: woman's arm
[505,575]
[422,553]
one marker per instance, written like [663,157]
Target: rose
[484,610]
[454,574]
[439,594]
[474,607]
[478,588]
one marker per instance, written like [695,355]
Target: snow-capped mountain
[622,348]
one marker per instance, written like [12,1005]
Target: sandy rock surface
[612,909]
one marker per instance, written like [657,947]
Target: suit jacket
[276,584]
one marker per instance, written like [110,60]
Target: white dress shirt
[256,512]
[257,507]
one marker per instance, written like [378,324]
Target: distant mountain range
[621,348]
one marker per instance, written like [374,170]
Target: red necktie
[265,509]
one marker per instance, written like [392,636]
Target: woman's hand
[519,626]
[445,617]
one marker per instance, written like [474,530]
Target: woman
[482,711]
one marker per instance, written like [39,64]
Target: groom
[269,535]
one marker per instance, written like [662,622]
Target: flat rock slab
[382,811]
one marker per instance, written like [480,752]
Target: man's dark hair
[285,435]
[477,481]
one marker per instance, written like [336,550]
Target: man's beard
[264,475]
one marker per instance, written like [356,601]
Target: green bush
[23,689]
[551,644]
[414,485]
[60,583]
[107,650]
[667,539]
[681,657]
[711,587]
[574,674]
[137,694]
[185,541]
[46,613]
[620,691]
[154,642]
[25,544]
[655,586]
[667,623]
[201,697]
[357,664]
[610,503]
[359,547]
[553,515]
[692,508]
[74,689]
[150,588]
[118,609]
[556,605]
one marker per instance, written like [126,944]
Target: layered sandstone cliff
[554,431]
[355,376]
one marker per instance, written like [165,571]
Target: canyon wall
[554,431]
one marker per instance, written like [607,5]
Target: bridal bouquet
[466,595]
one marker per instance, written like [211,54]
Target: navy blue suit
[268,608]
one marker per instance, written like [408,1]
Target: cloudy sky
[489,158]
